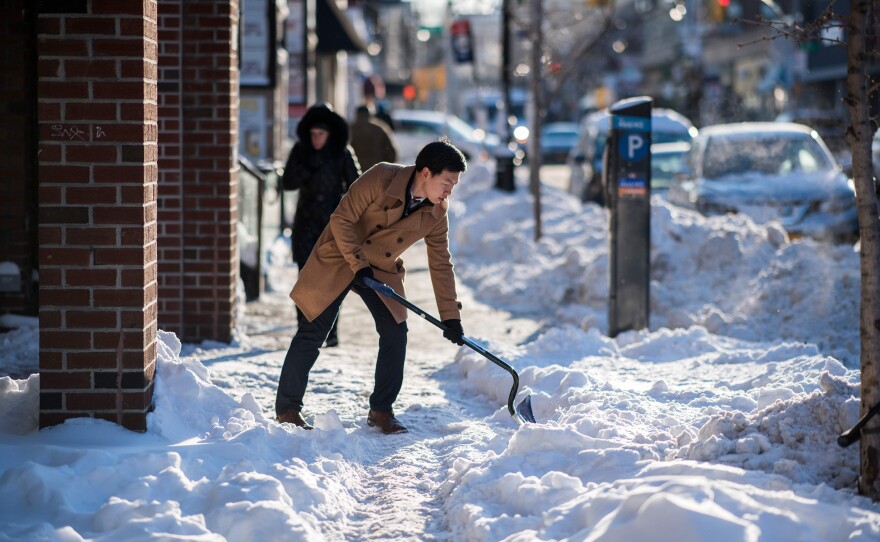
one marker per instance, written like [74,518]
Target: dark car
[557,139]
[769,171]
[585,158]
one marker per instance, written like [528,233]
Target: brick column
[97,200]
[199,180]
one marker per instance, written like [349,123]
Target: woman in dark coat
[321,166]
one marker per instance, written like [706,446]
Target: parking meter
[627,180]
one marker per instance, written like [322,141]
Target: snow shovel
[853,435]
[522,413]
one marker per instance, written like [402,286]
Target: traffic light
[718,10]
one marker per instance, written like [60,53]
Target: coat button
[369,242]
[386,207]
[400,239]
[378,226]
[387,254]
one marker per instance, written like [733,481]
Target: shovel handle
[852,435]
[388,291]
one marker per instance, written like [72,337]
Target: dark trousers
[334,329]
[304,349]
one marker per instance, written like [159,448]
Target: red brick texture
[198,168]
[18,194]
[97,175]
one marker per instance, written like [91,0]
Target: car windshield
[766,153]
[670,137]
[664,166]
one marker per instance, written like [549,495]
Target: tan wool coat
[368,229]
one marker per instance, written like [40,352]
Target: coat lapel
[397,190]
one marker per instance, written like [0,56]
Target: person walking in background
[371,139]
[383,115]
[388,209]
[321,166]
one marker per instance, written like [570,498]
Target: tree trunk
[859,137]
[537,111]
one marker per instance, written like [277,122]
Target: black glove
[453,331]
[361,273]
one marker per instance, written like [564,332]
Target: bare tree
[859,137]
[562,37]
[861,38]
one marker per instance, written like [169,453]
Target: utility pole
[536,85]
[506,68]
[503,155]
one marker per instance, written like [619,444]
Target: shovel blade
[524,411]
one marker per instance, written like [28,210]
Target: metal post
[503,155]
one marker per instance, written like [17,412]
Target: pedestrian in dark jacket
[321,166]
[371,139]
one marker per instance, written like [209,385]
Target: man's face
[439,187]
[319,138]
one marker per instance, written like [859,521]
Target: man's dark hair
[440,156]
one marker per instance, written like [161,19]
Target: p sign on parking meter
[627,173]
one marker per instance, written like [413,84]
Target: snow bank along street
[719,423]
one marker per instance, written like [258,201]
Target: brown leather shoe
[386,422]
[294,417]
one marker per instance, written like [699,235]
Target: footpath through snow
[718,423]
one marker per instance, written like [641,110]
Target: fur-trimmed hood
[323,113]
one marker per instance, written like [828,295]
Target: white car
[769,171]
[416,128]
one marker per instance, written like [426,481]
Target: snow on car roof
[755,127]
[662,120]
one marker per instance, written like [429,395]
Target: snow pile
[750,454]
[20,347]
[753,283]
[210,468]
[19,404]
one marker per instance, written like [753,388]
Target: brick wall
[171,268]
[198,184]
[97,209]
[18,198]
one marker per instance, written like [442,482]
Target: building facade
[120,208]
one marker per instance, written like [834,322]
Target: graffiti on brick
[76,133]
[70,133]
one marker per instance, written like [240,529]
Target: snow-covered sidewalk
[718,423]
